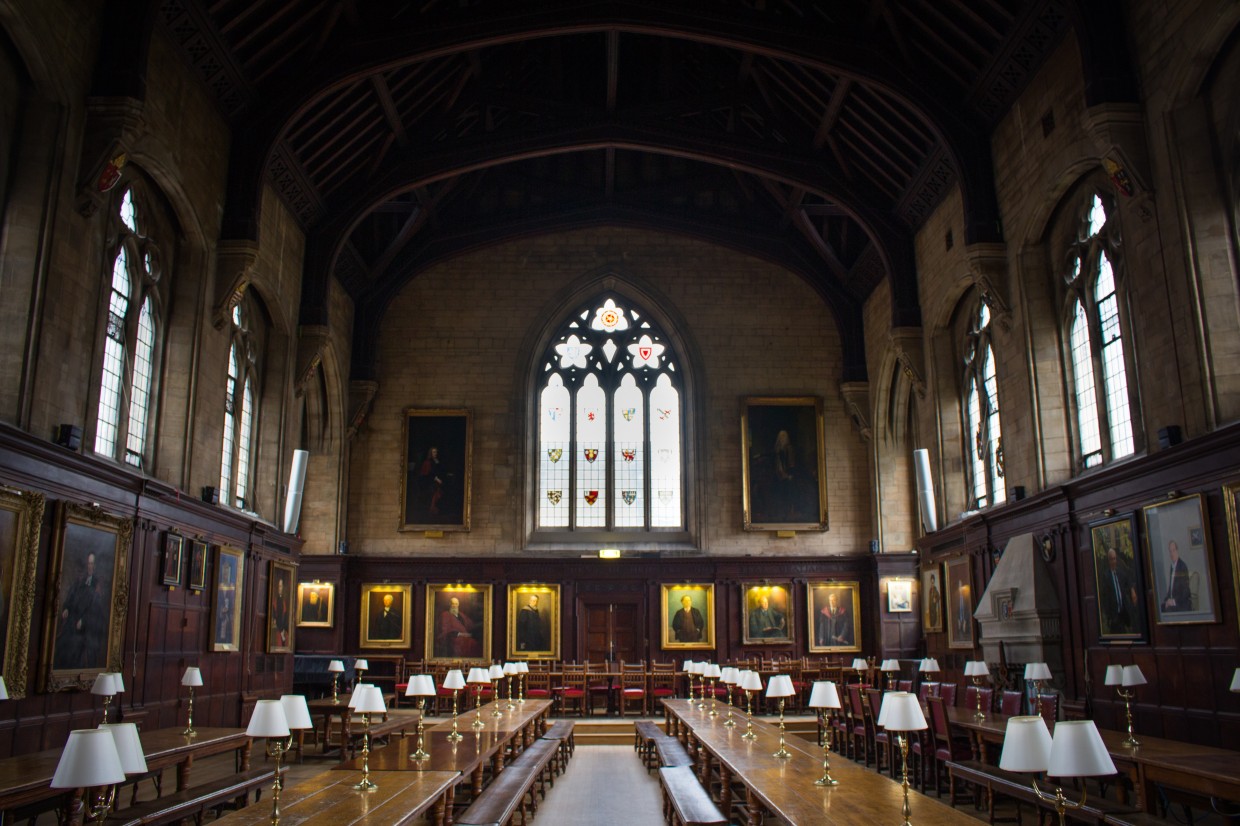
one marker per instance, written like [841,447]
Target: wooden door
[611,629]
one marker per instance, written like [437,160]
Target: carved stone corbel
[235,262]
[361,398]
[856,396]
[113,127]
[909,347]
[988,269]
[311,344]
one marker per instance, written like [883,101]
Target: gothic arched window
[983,435]
[241,407]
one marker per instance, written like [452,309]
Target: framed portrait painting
[534,622]
[899,596]
[436,470]
[688,616]
[1180,563]
[385,615]
[458,622]
[1118,578]
[783,464]
[959,615]
[316,604]
[86,620]
[932,599]
[174,550]
[226,600]
[199,558]
[834,616]
[21,522]
[280,608]
[1231,498]
[766,611]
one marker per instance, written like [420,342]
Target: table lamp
[688,669]
[890,669]
[297,715]
[713,673]
[107,685]
[929,666]
[1124,677]
[1076,750]
[730,676]
[510,671]
[1235,684]
[128,746]
[862,667]
[698,669]
[269,721]
[901,713]
[4,689]
[370,702]
[420,686]
[478,676]
[454,681]
[1037,673]
[750,682]
[361,667]
[780,687]
[356,694]
[825,697]
[496,674]
[977,670]
[190,679]
[335,668]
[91,760]
[523,668]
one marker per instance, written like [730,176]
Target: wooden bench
[561,732]
[397,722]
[685,802]
[514,790]
[671,752]
[193,803]
[644,734]
[992,781]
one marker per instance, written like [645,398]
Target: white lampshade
[478,675]
[824,695]
[454,680]
[371,701]
[510,669]
[1114,675]
[751,681]
[1037,671]
[268,720]
[712,672]
[1235,681]
[1132,676]
[729,675]
[335,667]
[105,684]
[4,689]
[128,746]
[890,665]
[697,668]
[90,759]
[296,712]
[901,712]
[358,689]
[119,682]
[929,665]
[192,676]
[523,667]
[1026,745]
[685,668]
[859,664]
[780,685]
[360,665]
[421,685]
[1077,750]
[496,672]
[976,668]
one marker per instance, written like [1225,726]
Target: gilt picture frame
[199,562]
[932,598]
[280,606]
[783,464]
[1177,538]
[834,614]
[174,558]
[960,602]
[1119,580]
[766,613]
[21,523]
[688,616]
[316,604]
[534,621]
[227,598]
[458,623]
[436,470]
[385,620]
[1231,502]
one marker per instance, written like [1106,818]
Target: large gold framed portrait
[458,622]
[1177,540]
[834,616]
[436,469]
[958,574]
[688,616]
[21,521]
[280,608]
[385,615]
[534,621]
[766,613]
[226,602]
[316,604]
[783,464]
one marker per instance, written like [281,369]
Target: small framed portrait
[174,550]
[316,603]
[959,582]
[1180,563]
[834,616]
[458,622]
[21,522]
[899,596]
[436,470]
[86,617]
[226,601]
[766,613]
[280,608]
[385,615]
[1231,498]
[534,622]
[199,559]
[932,599]
[1118,578]
[688,616]
[783,464]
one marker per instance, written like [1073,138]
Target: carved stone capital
[114,125]
[361,398]
[910,350]
[988,269]
[856,396]
[311,344]
[235,262]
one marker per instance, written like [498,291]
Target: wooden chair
[1048,707]
[948,692]
[574,688]
[538,681]
[633,687]
[904,685]
[662,682]
[927,690]
[858,733]
[949,745]
[987,695]
[883,741]
[1010,703]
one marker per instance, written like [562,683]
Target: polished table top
[329,799]
[786,787]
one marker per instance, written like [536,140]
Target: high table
[329,799]
[26,778]
[786,787]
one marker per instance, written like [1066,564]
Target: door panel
[610,628]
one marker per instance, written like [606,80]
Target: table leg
[754,815]
[244,756]
[725,792]
[476,779]
[497,763]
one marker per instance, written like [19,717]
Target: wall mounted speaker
[69,435]
[211,495]
[1169,436]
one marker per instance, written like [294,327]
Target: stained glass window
[984,438]
[610,426]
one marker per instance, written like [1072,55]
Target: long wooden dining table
[785,787]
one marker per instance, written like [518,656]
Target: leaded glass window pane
[629,458]
[140,397]
[1086,400]
[591,454]
[665,426]
[993,432]
[230,421]
[554,454]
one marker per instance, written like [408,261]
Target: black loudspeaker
[69,435]
[1018,493]
[211,495]
[1169,436]
[873,546]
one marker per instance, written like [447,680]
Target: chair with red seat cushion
[926,690]
[950,745]
[987,698]
[904,685]
[599,686]
[633,687]
[948,692]
[1048,707]
[538,681]
[574,689]
[662,681]
[1010,703]
[882,740]
[858,731]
